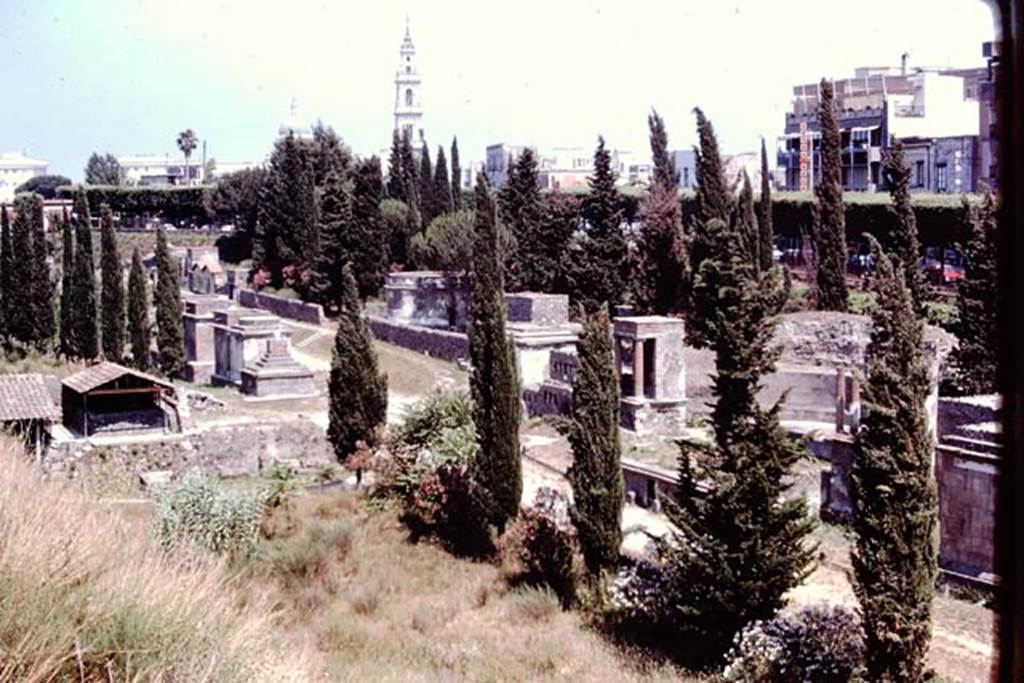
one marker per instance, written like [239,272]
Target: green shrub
[541,545]
[425,421]
[220,521]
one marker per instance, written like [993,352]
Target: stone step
[971,444]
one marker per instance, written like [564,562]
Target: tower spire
[408,109]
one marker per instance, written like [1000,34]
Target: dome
[294,124]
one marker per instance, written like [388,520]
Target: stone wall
[293,309]
[548,310]
[449,346]
[967,510]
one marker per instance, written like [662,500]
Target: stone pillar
[853,404]
[617,353]
[840,397]
[638,368]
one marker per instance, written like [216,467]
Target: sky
[125,76]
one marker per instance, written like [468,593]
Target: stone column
[853,404]
[638,368]
[840,398]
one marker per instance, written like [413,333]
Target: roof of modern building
[26,397]
[97,375]
[18,160]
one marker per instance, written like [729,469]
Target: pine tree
[358,392]
[746,221]
[831,291]
[738,540]
[83,284]
[976,358]
[138,312]
[893,492]
[520,207]
[494,383]
[666,176]
[764,214]
[442,192]
[40,285]
[428,207]
[603,277]
[456,177]
[396,172]
[68,342]
[902,242]
[170,333]
[368,240]
[596,473]
[112,293]
[329,154]
[336,222]
[7,296]
[663,268]
[20,295]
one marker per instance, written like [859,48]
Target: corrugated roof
[26,397]
[103,373]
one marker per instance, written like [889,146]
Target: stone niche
[428,298]
[199,336]
[649,362]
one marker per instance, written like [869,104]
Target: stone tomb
[649,361]
[428,298]
[199,336]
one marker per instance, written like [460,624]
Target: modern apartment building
[15,169]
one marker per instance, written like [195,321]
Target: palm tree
[187,143]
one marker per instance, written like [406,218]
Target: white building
[408,105]
[294,124]
[15,169]
[159,169]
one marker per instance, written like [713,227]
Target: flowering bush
[541,544]
[637,596]
[823,644]
[261,278]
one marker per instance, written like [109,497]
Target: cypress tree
[40,284]
[112,289]
[329,154]
[902,241]
[605,281]
[68,343]
[666,176]
[746,221]
[335,224]
[520,204]
[138,312]
[170,333]
[368,240]
[831,276]
[593,430]
[83,283]
[428,208]
[442,192]
[358,391]
[412,187]
[738,540]
[20,295]
[396,172]
[893,492]
[976,359]
[6,275]
[456,177]
[764,214]
[663,268]
[494,384]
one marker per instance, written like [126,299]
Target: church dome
[294,124]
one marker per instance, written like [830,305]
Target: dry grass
[414,374]
[87,595]
[389,610]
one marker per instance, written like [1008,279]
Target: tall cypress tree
[138,312]
[170,333]
[666,176]
[663,266]
[68,342]
[895,508]
[358,391]
[428,207]
[607,254]
[83,283]
[335,224]
[287,229]
[456,177]
[396,174]
[520,204]
[764,214]
[746,220]
[976,357]
[831,291]
[44,326]
[368,240]
[494,383]
[902,242]
[442,192]
[112,313]
[738,540]
[596,473]
[411,176]
[20,300]
[6,274]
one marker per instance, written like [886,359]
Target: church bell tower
[408,107]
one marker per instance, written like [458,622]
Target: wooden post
[638,368]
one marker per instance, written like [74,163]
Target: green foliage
[39,284]
[666,176]
[67,314]
[103,170]
[831,294]
[175,203]
[396,187]
[426,422]
[520,209]
[7,295]
[456,177]
[540,545]
[367,241]
[442,192]
[427,205]
[358,392]
[20,297]
[494,383]
[170,333]
[397,227]
[336,223]
[43,185]
[976,358]
[234,199]
[197,511]
[893,491]
[593,432]
[446,244]
[764,214]
[329,154]
[138,313]
[112,304]
[902,242]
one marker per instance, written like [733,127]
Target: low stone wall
[967,484]
[292,309]
[449,346]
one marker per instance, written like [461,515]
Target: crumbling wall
[449,346]
[293,309]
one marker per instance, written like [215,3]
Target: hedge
[172,203]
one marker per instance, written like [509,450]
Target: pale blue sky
[127,75]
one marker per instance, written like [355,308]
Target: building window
[941,177]
[408,69]
[686,177]
[919,174]
[408,97]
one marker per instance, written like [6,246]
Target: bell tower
[408,107]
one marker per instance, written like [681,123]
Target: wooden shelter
[28,408]
[108,398]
